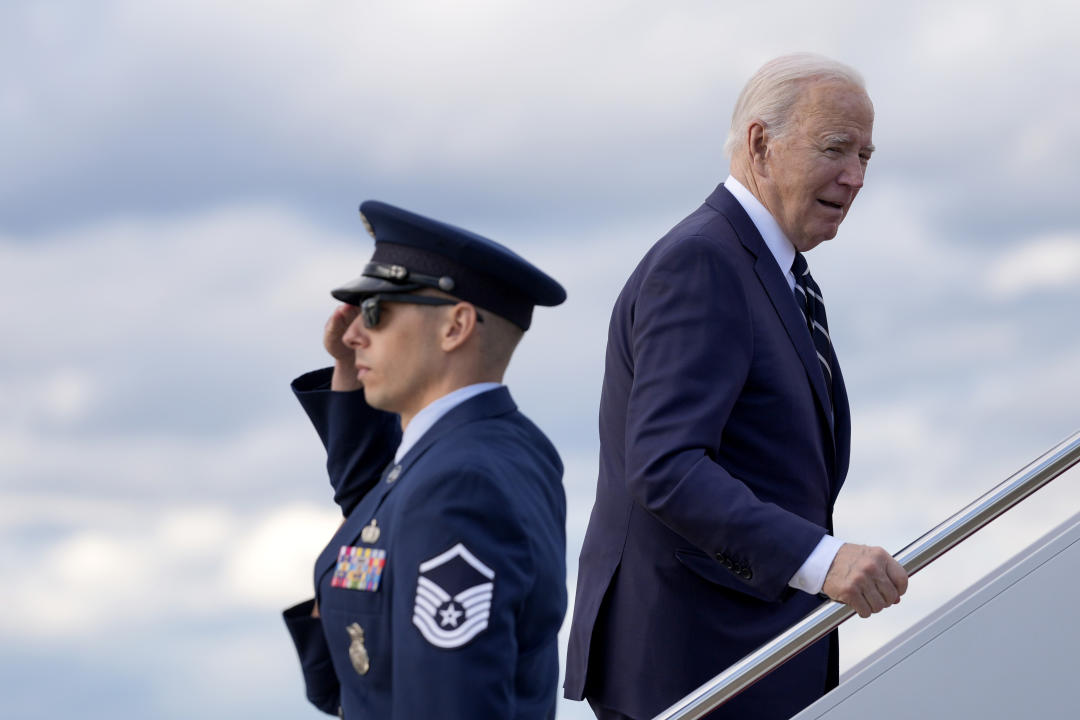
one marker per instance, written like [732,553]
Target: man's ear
[459,326]
[757,143]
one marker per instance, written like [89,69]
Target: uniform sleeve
[360,441]
[320,680]
[462,575]
[691,358]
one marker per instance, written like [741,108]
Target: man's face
[813,172]
[398,360]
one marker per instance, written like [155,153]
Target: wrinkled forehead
[835,106]
[830,94]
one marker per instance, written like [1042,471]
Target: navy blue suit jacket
[464,617]
[720,459]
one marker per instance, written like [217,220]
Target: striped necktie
[808,294]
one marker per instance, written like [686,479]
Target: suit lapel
[783,301]
[843,427]
[487,404]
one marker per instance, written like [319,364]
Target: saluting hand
[344,377]
[866,578]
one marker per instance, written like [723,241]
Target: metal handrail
[913,558]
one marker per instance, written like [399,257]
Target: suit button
[747,573]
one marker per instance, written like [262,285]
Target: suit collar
[766,225]
[725,203]
[492,403]
[776,287]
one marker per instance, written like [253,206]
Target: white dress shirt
[811,576]
[434,410]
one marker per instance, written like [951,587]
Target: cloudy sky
[180,191]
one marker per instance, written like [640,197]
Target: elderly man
[442,593]
[724,425]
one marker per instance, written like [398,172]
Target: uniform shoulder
[488,450]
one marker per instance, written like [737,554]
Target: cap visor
[355,291]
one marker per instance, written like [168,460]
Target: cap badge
[367,225]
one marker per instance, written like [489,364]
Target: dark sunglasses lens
[369,309]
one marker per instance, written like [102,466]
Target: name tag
[359,568]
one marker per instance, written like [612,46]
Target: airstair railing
[913,558]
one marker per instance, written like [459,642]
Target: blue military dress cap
[414,252]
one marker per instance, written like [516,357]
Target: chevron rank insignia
[453,598]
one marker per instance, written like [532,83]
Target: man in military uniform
[442,593]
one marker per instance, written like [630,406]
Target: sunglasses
[371,310]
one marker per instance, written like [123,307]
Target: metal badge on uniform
[359,568]
[357,652]
[370,533]
[394,474]
[453,598]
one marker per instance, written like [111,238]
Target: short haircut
[498,339]
[773,90]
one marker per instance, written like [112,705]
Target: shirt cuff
[811,576]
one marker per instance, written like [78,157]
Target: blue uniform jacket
[720,460]
[452,608]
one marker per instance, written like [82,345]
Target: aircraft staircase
[1004,648]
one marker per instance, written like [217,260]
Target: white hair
[773,90]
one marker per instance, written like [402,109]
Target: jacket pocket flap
[712,571]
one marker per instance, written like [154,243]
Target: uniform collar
[431,414]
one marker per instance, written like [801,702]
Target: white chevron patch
[453,598]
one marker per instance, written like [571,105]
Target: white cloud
[264,463]
[112,282]
[264,568]
[150,566]
[522,103]
[68,394]
[1045,263]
